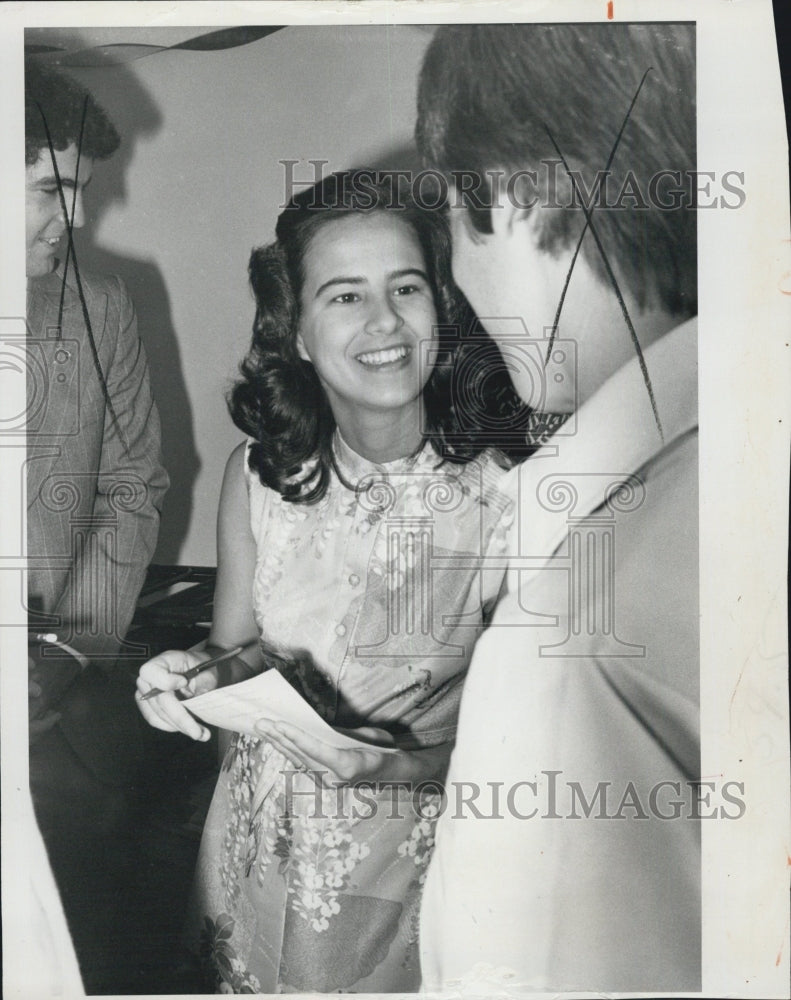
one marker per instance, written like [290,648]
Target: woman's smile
[386,359]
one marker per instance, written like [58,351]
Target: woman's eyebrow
[404,272]
[351,280]
[356,279]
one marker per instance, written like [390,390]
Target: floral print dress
[372,600]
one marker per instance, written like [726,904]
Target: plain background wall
[197,183]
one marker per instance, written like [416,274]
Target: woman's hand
[332,766]
[166,711]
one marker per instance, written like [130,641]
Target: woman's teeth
[385,357]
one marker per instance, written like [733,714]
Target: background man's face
[45,221]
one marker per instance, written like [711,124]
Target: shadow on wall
[135,115]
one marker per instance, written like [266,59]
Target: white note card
[238,707]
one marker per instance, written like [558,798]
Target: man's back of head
[515,97]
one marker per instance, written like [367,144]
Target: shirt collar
[615,435]
[617,423]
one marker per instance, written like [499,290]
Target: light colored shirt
[579,720]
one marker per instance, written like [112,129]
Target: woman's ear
[301,347]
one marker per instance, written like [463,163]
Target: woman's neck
[382,436]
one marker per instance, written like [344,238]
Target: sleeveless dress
[372,599]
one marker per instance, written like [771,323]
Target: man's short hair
[491,94]
[55,97]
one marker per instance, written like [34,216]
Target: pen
[200,667]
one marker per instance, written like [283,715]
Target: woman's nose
[383,316]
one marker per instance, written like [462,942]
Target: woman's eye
[346,298]
[407,289]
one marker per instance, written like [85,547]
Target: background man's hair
[62,101]
[488,93]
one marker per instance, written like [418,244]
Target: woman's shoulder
[237,460]
[242,465]
[234,483]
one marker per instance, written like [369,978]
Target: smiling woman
[360,325]
[367,326]
[353,531]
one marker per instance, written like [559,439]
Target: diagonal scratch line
[577,249]
[617,290]
[73,209]
[86,317]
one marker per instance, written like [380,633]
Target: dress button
[340,629]
[354,580]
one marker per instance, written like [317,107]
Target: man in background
[95,485]
[95,480]
[581,705]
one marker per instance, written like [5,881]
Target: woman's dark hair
[280,402]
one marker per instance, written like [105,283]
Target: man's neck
[610,334]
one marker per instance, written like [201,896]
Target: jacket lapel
[62,385]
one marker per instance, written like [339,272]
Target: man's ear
[508,220]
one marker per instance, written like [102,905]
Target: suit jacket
[582,702]
[95,484]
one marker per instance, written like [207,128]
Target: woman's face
[367,315]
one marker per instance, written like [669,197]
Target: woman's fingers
[371,734]
[166,711]
[298,757]
[165,671]
[319,769]
[331,765]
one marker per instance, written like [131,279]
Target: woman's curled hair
[279,401]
